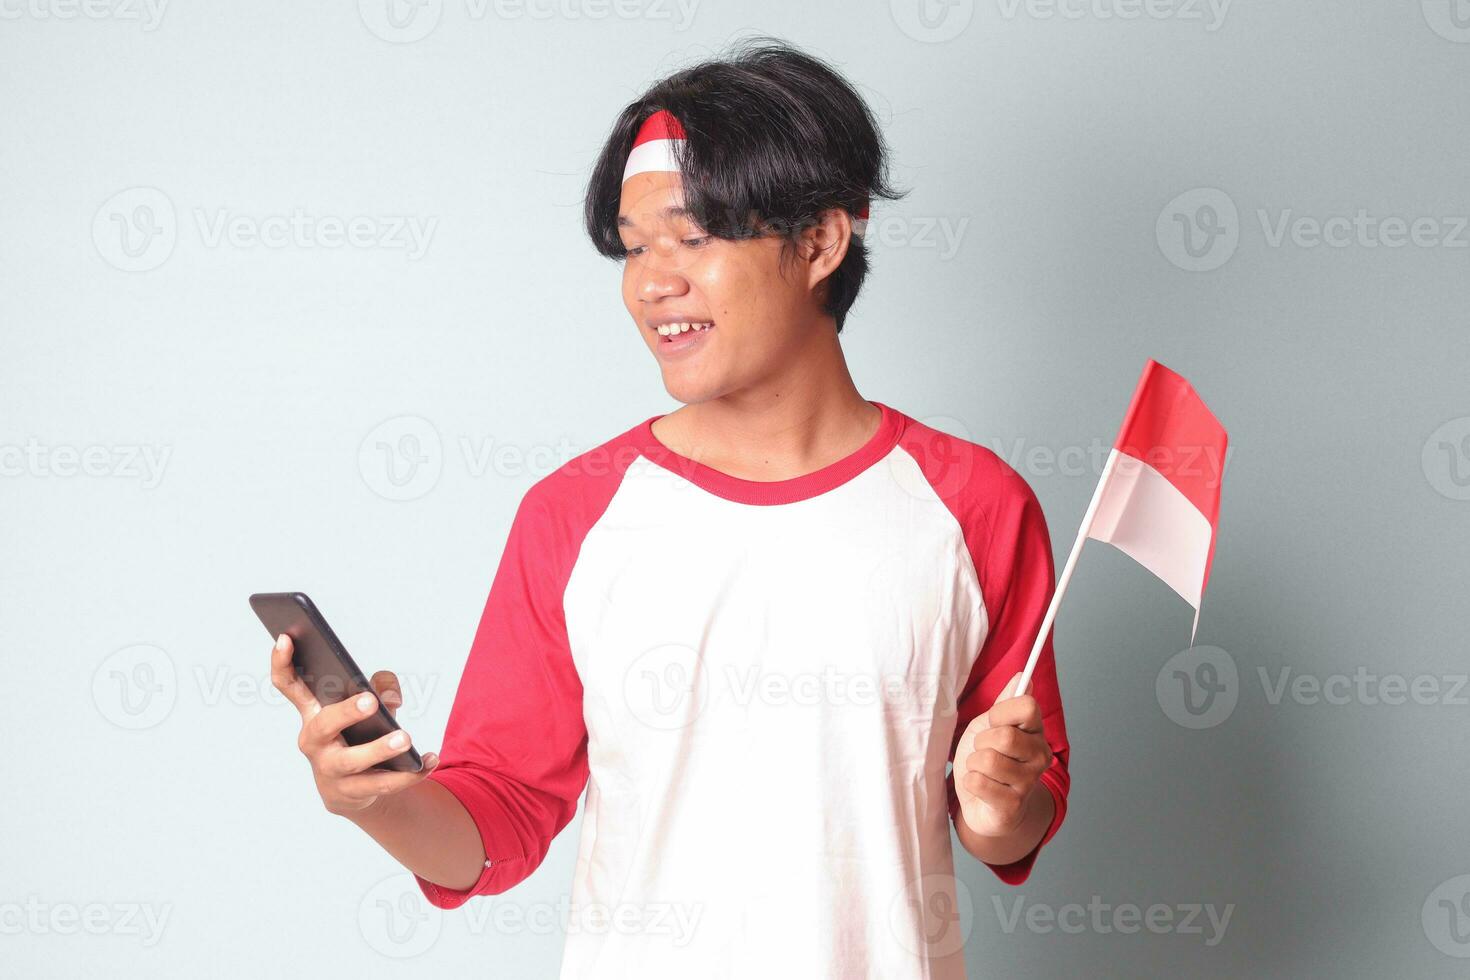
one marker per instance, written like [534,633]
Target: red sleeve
[515,746]
[1013,560]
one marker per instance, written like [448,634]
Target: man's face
[758,316]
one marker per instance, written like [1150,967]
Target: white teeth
[673,329]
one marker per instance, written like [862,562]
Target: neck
[783,426]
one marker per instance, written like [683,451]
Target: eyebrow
[670,212]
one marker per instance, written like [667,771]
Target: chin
[690,391]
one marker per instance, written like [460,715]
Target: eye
[698,242]
[635,250]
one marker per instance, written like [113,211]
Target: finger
[1023,712]
[1010,741]
[997,766]
[1005,694]
[326,726]
[347,760]
[385,683]
[283,677]
[997,795]
[370,784]
[1009,691]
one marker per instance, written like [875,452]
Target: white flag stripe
[1146,517]
[654,156]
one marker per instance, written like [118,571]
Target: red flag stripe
[1169,427]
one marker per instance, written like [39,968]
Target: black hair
[775,137]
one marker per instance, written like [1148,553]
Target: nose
[661,274]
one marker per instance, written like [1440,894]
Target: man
[755,629]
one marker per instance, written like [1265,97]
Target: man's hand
[997,763]
[344,773]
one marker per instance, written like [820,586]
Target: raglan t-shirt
[759,685]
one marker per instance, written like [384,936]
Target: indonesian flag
[1159,498]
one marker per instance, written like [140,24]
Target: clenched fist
[998,761]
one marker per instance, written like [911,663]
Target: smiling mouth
[669,332]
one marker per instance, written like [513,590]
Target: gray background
[150,766]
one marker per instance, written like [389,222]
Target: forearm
[430,833]
[1008,848]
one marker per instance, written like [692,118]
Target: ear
[825,243]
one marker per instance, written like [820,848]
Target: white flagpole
[1056,599]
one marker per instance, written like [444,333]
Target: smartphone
[323,663]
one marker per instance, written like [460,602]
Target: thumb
[1007,692]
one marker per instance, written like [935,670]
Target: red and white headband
[653,152]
